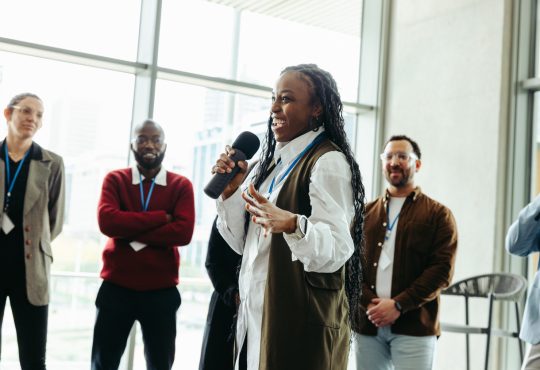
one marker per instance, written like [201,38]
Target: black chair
[495,287]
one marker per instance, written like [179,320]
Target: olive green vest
[305,314]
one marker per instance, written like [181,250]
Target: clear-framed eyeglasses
[400,157]
[27,111]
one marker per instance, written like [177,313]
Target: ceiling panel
[337,15]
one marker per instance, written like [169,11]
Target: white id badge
[7,225]
[137,246]
[384,260]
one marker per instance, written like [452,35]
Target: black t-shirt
[12,245]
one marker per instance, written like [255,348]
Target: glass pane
[269,44]
[197,36]
[209,120]
[87,121]
[102,27]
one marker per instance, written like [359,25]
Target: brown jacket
[424,255]
[305,314]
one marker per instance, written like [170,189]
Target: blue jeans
[388,351]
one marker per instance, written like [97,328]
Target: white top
[161,177]
[326,246]
[386,260]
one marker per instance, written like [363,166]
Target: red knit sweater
[121,218]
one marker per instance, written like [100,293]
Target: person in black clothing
[218,342]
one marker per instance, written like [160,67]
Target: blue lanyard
[11,182]
[145,204]
[317,140]
[390,226]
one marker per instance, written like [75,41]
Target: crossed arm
[155,228]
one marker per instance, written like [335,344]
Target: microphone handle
[219,182]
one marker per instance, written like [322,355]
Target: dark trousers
[242,361]
[217,351]
[117,310]
[30,324]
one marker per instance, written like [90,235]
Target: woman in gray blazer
[32,199]
[522,239]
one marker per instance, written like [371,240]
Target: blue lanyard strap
[317,140]
[11,182]
[390,226]
[143,203]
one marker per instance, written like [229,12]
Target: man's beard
[149,165]
[405,176]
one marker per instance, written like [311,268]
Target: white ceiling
[337,15]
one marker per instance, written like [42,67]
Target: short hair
[149,122]
[414,144]
[17,99]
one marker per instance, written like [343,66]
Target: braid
[267,155]
[325,90]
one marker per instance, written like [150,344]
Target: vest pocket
[326,306]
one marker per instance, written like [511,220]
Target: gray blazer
[42,219]
[522,239]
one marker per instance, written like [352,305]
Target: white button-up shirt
[326,246]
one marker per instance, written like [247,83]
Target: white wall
[446,88]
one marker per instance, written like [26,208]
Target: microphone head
[248,143]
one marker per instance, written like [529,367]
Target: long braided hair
[325,91]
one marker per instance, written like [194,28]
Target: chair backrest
[502,286]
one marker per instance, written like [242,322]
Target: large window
[204,70]
[254,41]
[99,27]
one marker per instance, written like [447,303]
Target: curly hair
[324,90]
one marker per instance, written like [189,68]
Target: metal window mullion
[521,111]
[69,56]
[235,47]
[147,54]
[144,95]
[371,87]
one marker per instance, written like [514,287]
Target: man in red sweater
[147,212]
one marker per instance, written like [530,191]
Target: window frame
[368,107]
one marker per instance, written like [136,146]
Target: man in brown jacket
[411,243]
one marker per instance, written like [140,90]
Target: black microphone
[245,146]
